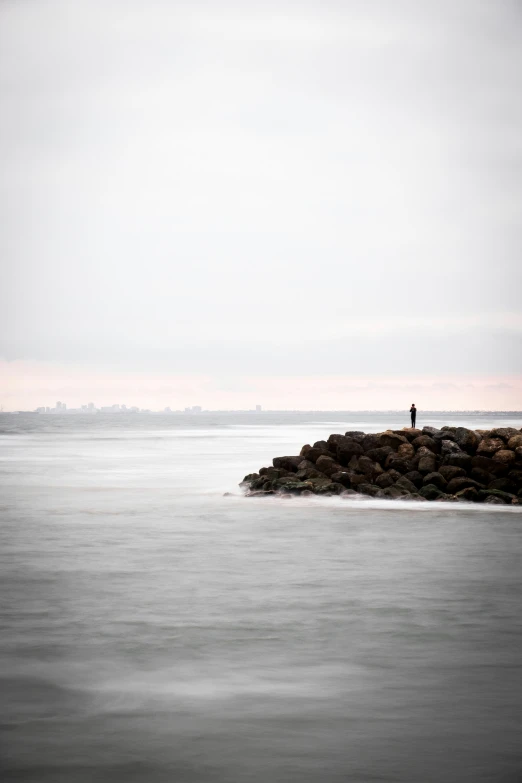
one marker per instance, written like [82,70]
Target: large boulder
[327,465]
[410,432]
[456,484]
[515,441]
[305,449]
[489,464]
[379,454]
[430,492]
[503,497]
[504,456]
[504,432]
[356,435]
[480,475]
[390,438]
[415,477]
[466,439]
[406,484]
[429,430]
[370,441]
[469,494]
[451,471]
[384,480]
[342,477]
[437,479]
[490,446]
[427,464]
[368,489]
[314,453]
[459,460]
[392,493]
[427,442]
[287,463]
[449,447]
[348,448]
[443,434]
[406,451]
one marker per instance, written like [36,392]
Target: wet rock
[460,460]
[406,484]
[427,464]
[504,432]
[489,446]
[505,456]
[304,450]
[392,493]
[384,480]
[415,477]
[482,476]
[451,471]
[427,442]
[503,484]
[349,493]
[331,489]
[347,449]
[469,494]
[443,435]
[504,497]
[492,500]
[370,441]
[450,447]
[392,439]
[429,430]
[456,484]
[342,477]
[356,435]
[468,440]
[314,453]
[515,441]
[437,479]
[327,465]
[287,463]
[430,492]
[379,454]
[357,479]
[369,489]
[406,451]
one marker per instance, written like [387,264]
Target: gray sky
[271,187]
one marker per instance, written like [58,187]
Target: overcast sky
[213,191]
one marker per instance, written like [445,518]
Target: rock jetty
[447,464]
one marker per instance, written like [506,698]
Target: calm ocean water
[154,630]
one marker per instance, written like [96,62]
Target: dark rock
[443,435]
[503,484]
[392,493]
[451,471]
[327,465]
[259,493]
[429,430]
[486,463]
[379,454]
[427,464]
[251,477]
[342,477]
[304,450]
[296,487]
[415,477]
[437,479]
[515,441]
[461,460]
[400,465]
[450,447]
[466,439]
[321,444]
[505,497]
[356,435]
[347,449]
[410,432]
[390,438]
[287,463]
[384,480]
[427,442]
[456,484]
[395,475]
[369,489]
[448,428]
[406,451]
[370,441]
[489,446]
[406,484]
[505,456]
[331,489]
[314,453]
[358,478]
[430,492]
[492,500]
[482,476]
[468,493]
[504,432]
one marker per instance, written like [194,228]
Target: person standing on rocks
[413,413]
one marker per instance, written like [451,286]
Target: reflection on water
[154,630]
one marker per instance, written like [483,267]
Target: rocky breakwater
[450,464]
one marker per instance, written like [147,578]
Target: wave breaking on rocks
[448,464]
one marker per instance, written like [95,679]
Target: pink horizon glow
[26,385]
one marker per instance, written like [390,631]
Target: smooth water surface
[155,630]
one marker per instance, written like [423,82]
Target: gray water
[154,630]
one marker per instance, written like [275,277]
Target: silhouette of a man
[413,412]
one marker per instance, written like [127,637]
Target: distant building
[40,410]
[258,408]
[167,409]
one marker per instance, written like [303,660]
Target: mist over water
[155,630]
